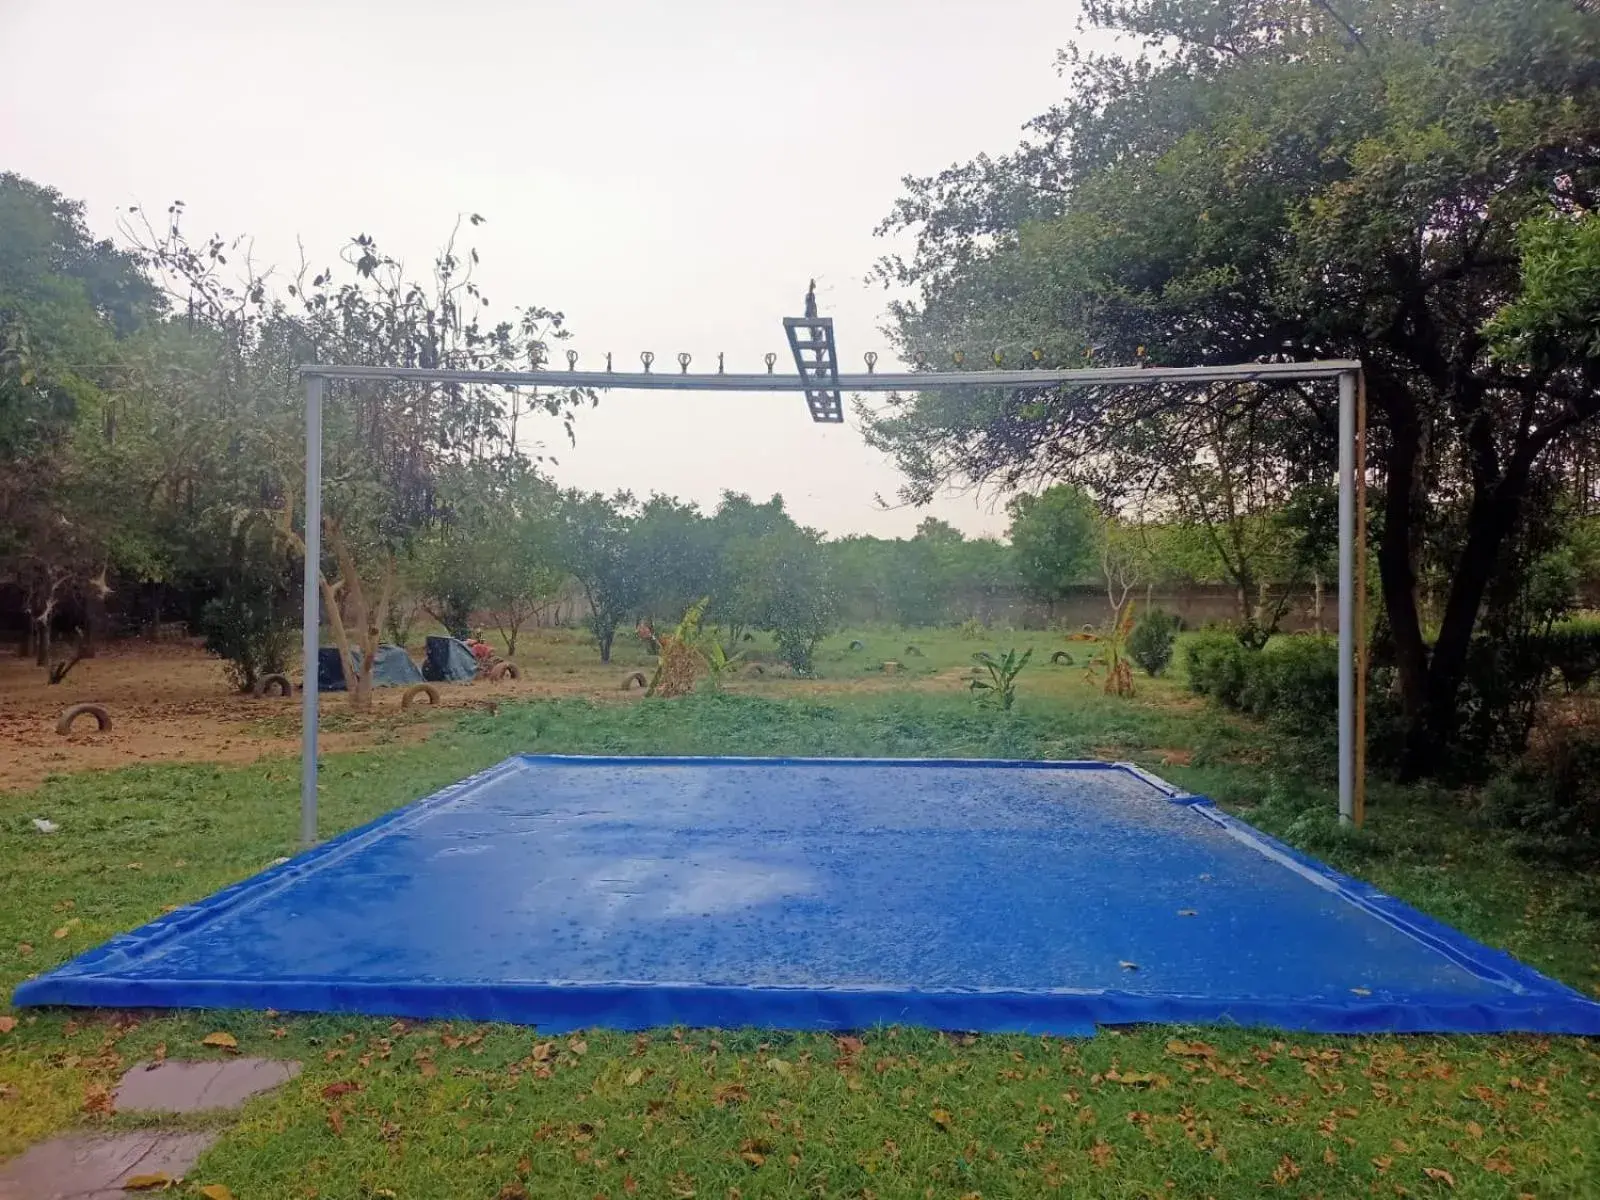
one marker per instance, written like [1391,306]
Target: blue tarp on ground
[448,660]
[992,896]
[393,668]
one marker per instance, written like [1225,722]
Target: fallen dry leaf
[753,1157]
[428,1068]
[221,1040]
[1190,1049]
[634,1077]
[542,1051]
[513,1191]
[1497,1164]
[941,1118]
[850,1046]
[334,1090]
[216,1191]
[7,1024]
[1440,1175]
[97,1099]
[336,1121]
[24,949]
[1383,1162]
[729,1093]
[1330,1158]
[781,1066]
[67,928]
[1100,1154]
[147,1183]
[1475,1129]
[630,1184]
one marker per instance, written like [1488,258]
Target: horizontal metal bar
[919,381]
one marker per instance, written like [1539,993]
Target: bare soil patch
[171,702]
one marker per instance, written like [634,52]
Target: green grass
[484,1111]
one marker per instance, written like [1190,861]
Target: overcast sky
[667,174]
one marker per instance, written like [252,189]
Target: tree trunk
[41,640]
[1396,567]
[1491,518]
[605,640]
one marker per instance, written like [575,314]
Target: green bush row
[1293,682]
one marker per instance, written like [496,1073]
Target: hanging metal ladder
[817,360]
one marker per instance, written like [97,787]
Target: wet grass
[441,1111]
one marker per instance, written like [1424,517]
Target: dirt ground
[171,702]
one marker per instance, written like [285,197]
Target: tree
[785,586]
[1252,180]
[674,556]
[72,312]
[388,445]
[737,526]
[596,546]
[525,574]
[1056,540]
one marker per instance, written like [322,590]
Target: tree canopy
[1261,179]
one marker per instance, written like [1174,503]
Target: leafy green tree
[675,555]
[1247,180]
[784,585]
[389,446]
[1055,537]
[596,546]
[526,574]
[72,314]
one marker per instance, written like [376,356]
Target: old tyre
[504,670]
[634,677]
[102,718]
[419,689]
[268,684]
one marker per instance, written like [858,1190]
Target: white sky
[669,175]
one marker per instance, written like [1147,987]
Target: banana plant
[718,661]
[1001,681]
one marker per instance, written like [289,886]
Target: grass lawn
[435,1110]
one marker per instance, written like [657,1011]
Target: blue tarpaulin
[392,667]
[824,894]
[447,660]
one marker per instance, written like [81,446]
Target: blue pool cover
[818,894]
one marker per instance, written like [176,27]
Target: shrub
[1150,643]
[250,634]
[1294,683]
[1573,649]
[1498,704]
[1550,800]
[1215,662]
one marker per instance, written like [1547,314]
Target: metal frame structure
[822,401]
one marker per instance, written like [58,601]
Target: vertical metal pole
[311,613]
[1361,602]
[1347,598]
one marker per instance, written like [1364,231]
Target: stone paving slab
[94,1166]
[177,1086]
